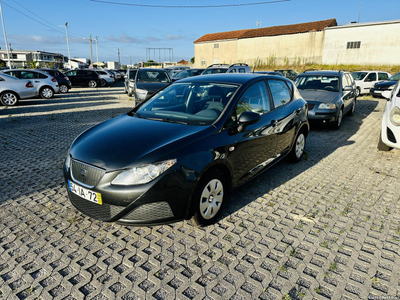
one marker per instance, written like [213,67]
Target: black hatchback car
[63,81]
[88,78]
[178,154]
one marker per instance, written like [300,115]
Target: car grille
[390,135]
[86,174]
[151,211]
[311,106]
[104,212]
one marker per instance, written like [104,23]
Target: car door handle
[37,81]
[298,111]
[273,123]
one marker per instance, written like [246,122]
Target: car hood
[385,83]
[128,141]
[319,96]
[151,87]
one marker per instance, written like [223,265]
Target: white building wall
[380,44]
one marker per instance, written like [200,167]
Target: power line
[190,6]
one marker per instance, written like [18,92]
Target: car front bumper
[163,200]
[315,114]
[390,133]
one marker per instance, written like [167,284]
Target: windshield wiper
[168,121]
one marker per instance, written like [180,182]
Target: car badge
[83,172]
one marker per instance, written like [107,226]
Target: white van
[365,80]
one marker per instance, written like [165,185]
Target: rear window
[152,76]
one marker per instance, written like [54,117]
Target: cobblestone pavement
[326,228]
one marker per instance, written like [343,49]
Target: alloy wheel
[211,199]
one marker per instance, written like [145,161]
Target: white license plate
[85,193]
[377,92]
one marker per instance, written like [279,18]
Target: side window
[242,70]
[345,81]
[280,92]
[232,71]
[42,76]
[254,99]
[72,73]
[371,77]
[28,75]
[14,73]
[382,76]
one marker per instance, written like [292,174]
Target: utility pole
[119,61]
[97,53]
[12,59]
[91,51]
[5,37]
[66,34]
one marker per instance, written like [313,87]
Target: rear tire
[46,92]
[297,152]
[209,197]
[103,82]
[9,99]
[381,145]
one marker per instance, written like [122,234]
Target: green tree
[2,63]
[192,60]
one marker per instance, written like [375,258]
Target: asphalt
[325,228]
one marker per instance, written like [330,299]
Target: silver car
[106,77]
[13,89]
[45,84]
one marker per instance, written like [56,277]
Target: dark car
[268,73]
[84,78]
[187,73]
[178,154]
[216,69]
[329,94]
[385,85]
[291,74]
[63,81]
[149,81]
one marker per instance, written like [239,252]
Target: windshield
[152,76]
[359,75]
[194,103]
[395,77]
[315,82]
[214,71]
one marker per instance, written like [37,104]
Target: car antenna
[255,65]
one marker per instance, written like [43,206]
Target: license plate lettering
[85,193]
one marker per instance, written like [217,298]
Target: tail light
[54,80]
[29,84]
[66,78]
[111,76]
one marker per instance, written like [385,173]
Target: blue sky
[33,24]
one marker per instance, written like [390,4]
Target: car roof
[328,72]
[235,78]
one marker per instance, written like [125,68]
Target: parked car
[187,73]
[130,81]
[106,77]
[63,81]
[385,85]
[179,153]
[84,77]
[390,130]
[239,68]
[268,73]
[329,94]
[45,84]
[288,73]
[175,68]
[13,89]
[365,80]
[216,69]
[149,81]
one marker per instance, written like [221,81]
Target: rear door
[72,75]
[33,77]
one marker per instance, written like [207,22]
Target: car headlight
[141,92]
[327,106]
[390,87]
[395,116]
[67,162]
[143,174]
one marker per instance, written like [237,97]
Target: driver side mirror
[348,88]
[386,94]
[247,118]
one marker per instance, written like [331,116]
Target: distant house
[322,42]
[21,58]
[300,43]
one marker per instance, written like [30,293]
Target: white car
[13,89]
[365,80]
[390,131]
[106,77]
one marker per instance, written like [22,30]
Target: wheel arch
[10,91]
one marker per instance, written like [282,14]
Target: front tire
[338,122]
[92,83]
[209,197]
[297,152]
[358,92]
[9,99]
[130,92]
[46,92]
[381,145]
